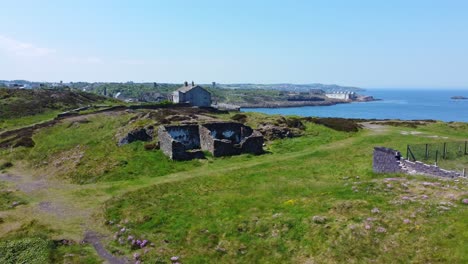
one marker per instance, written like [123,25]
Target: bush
[27,250]
[240,118]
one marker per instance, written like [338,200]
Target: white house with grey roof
[193,94]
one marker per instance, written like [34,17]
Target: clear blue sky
[360,43]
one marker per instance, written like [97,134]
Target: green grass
[249,209]
[88,152]
[12,123]
[9,198]
[28,250]
[261,211]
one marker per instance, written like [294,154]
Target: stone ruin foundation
[186,142]
[388,160]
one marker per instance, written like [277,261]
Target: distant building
[192,94]
[16,86]
[341,95]
[316,92]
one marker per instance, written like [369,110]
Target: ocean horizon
[410,104]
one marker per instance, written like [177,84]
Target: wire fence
[452,155]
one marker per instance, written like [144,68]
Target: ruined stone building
[185,142]
[193,94]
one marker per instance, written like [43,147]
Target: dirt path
[95,239]
[375,128]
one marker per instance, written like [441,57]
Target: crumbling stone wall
[422,168]
[220,139]
[224,139]
[180,142]
[229,138]
[388,160]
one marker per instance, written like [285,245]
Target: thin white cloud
[23,49]
[86,60]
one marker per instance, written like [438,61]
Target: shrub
[240,118]
[27,250]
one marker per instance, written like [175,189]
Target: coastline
[286,104]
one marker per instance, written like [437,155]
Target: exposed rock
[272,132]
[282,128]
[319,219]
[381,230]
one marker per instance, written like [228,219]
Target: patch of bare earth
[375,128]
[53,205]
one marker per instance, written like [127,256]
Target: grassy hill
[24,106]
[15,103]
[309,199]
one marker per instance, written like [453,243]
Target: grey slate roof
[185,89]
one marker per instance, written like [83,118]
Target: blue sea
[395,104]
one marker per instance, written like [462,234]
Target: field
[309,199]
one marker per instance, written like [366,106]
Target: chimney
[193,84]
[185,83]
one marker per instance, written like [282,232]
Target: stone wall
[220,139]
[230,138]
[180,142]
[253,144]
[421,168]
[388,160]
[188,135]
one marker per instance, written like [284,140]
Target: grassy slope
[248,208]
[88,152]
[19,107]
[262,210]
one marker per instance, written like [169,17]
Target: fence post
[465,147]
[407,152]
[445,150]
[427,153]
[437,155]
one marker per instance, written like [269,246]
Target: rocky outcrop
[282,128]
[272,132]
[459,97]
